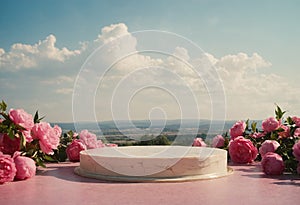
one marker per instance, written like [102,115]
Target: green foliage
[279,113]
[150,140]
[31,149]
[36,117]
[66,139]
[285,150]
[3,106]
[253,126]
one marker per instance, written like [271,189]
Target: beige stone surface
[153,163]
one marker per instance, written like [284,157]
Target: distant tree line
[148,140]
[159,140]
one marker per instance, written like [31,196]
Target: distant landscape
[126,133]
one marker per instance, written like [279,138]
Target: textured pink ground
[59,185]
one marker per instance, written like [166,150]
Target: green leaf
[11,133]
[39,162]
[34,153]
[23,141]
[279,113]
[290,121]
[6,117]
[253,126]
[36,117]
[280,129]
[247,124]
[49,158]
[273,136]
[3,106]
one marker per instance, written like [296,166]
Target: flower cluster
[85,140]
[26,142]
[198,142]
[276,144]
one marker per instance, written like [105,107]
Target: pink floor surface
[57,184]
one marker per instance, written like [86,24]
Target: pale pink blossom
[22,118]
[296,120]
[218,141]
[74,149]
[296,150]
[48,137]
[268,146]
[25,166]
[25,120]
[297,132]
[100,144]
[7,168]
[75,134]
[272,164]
[111,145]
[286,131]
[270,124]
[237,129]
[198,142]
[89,139]
[242,150]
[257,135]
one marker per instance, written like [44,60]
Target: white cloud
[240,74]
[250,90]
[1,51]
[65,91]
[58,80]
[181,53]
[31,56]
[110,33]
[238,67]
[242,61]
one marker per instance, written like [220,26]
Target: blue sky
[221,28]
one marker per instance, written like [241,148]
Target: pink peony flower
[100,144]
[237,129]
[198,142]
[89,139]
[268,146]
[257,135]
[75,135]
[270,124]
[296,120]
[285,133]
[218,141]
[297,132]
[111,145]
[272,164]
[7,145]
[25,166]
[74,149]
[7,168]
[22,118]
[242,150]
[27,135]
[296,150]
[48,137]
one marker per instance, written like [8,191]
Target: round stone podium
[153,163]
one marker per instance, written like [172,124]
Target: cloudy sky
[246,53]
